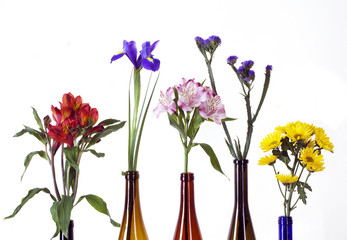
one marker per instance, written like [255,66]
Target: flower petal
[117,56]
[130,50]
[151,64]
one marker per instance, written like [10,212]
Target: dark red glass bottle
[241,224]
[187,225]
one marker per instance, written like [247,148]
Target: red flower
[61,133]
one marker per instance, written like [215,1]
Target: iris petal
[154,45]
[151,65]
[131,51]
[117,56]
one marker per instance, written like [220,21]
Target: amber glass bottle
[187,225]
[241,224]
[132,227]
[69,232]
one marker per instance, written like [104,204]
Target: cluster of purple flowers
[245,71]
[210,44]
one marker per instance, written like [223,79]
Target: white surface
[48,48]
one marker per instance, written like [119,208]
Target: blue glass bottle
[285,228]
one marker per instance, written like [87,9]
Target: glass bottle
[132,227]
[69,232]
[285,228]
[241,224]
[187,225]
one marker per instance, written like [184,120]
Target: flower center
[309,159]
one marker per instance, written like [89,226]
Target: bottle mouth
[285,220]
[242,161]
[132,175]
[187,176]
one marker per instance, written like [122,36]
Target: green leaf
[71,154]
[109,121]
[99,205]
[28,158]
[110,129]
[55,218]
[195,124]
[39,135]
[61,213]
[174,124]
[99,155]
[228,119]
[302,193]
[30,195]
[37,118]
[213,158]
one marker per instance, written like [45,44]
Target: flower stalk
[246,77]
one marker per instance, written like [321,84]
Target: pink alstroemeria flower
[190,94]
[166,103]
[213,109]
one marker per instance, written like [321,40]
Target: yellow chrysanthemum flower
[287,179]
[271,141]
[322,140]
[267,160]
[299,131]
[312,159]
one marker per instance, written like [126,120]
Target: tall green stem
[213,85]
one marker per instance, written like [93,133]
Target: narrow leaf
[55,218]
[71,154]
[37,118]
[109,121]
[107,131]
[228,119]
[174,124]
[30,195]
[213,158]
[39,135]
[64,208]
[99,205]
[28,158]
[99,155]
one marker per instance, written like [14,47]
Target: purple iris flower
[145,58]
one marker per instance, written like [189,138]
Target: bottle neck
[187,192]
[241,182]
[285,228]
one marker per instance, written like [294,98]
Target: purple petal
[152,64]
[130,50]
[154,45]
[117,56]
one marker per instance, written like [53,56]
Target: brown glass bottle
[69,232]
[241,224]
[132,227]
[187,225]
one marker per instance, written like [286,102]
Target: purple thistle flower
[232,60]
[269,67]
[199,40]
[213,40]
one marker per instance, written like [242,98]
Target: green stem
[309,174]
[278,182]
[250,125]
[83,145]
[52,167]
[62,167]
[225,128]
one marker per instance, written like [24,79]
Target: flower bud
[232,60]
[47,121]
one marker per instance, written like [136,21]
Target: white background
[48,48]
